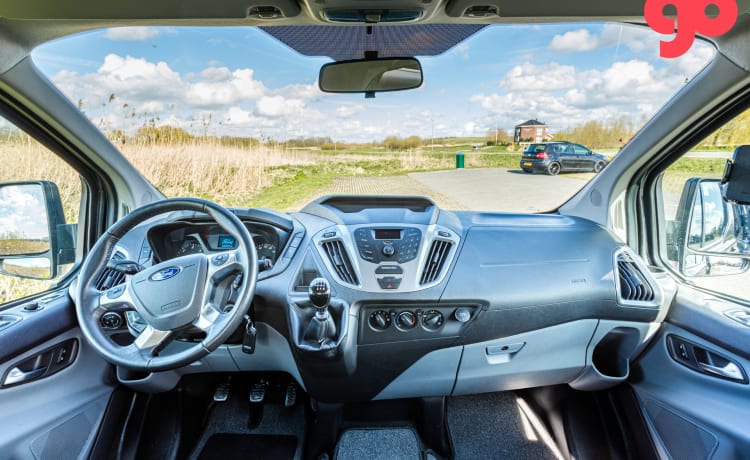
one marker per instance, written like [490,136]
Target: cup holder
[610,360]
[611,355]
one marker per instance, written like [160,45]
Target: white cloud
[575,40]
[564,95]
[131,33]
[529,77]
[148,92]
[19,211]
[219,87]
[276,106]
[636,38]
[298,91]
[239,117]
[346,111]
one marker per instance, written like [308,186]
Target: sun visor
[351,42]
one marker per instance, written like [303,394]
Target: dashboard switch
[389,282]
[462,315]
[389,270]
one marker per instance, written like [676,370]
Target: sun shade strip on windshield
[351,42]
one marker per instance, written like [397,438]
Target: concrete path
[495,189]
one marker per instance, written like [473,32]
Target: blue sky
[240,81]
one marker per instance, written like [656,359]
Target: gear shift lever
[319,292]
[321,327]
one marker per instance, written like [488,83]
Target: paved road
[496,189]
[709,154]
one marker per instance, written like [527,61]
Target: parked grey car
[555,157]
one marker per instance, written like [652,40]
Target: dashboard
[184,238]
[427,302]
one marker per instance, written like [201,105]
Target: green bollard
[459,160]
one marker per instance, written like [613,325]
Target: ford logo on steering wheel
[165,274]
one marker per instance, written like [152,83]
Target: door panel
[57,411]
[692,412]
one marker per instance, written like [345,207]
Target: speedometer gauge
[189,246]
[266,251]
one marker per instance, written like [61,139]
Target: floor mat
[231,417]
[378,444]
[497,426]
[231,446]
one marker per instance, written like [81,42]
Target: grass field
[262,176]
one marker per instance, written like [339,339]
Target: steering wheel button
[116,292]
[220,259]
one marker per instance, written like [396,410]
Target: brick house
[531,131]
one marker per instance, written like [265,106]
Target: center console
[387,257]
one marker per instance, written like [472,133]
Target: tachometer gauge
[189,246]
[266,251]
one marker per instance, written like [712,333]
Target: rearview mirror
[711,236]
[370,75]
[30,215]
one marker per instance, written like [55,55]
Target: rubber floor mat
[230,446]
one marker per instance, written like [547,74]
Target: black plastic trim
[106,443]
[706,320]
[57,317]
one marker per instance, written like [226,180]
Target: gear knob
[319,292]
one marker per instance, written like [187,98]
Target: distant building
[531,131]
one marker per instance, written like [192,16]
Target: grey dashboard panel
[272,354]
[433,375]
[549,356]
[519,261]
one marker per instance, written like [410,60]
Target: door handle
[16,375]
[729,371]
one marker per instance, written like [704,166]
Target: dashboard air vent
[634,286]
[340,260]
[110,278]
[435,260]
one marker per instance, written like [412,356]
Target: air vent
[634,286]
[109,277]
[435,260]
[340,260]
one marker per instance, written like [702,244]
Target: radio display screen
[387,234]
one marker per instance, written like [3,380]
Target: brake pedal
[221,393]
[291,395]
[258,392]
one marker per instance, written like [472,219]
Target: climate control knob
[388,250]
[380,320]
[406,320]
[432,320]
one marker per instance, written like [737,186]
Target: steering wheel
[185,292]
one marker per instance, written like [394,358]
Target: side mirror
[31,215]
[710,235]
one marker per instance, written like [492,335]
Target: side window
[704,234]
[40,198]
[581,150]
